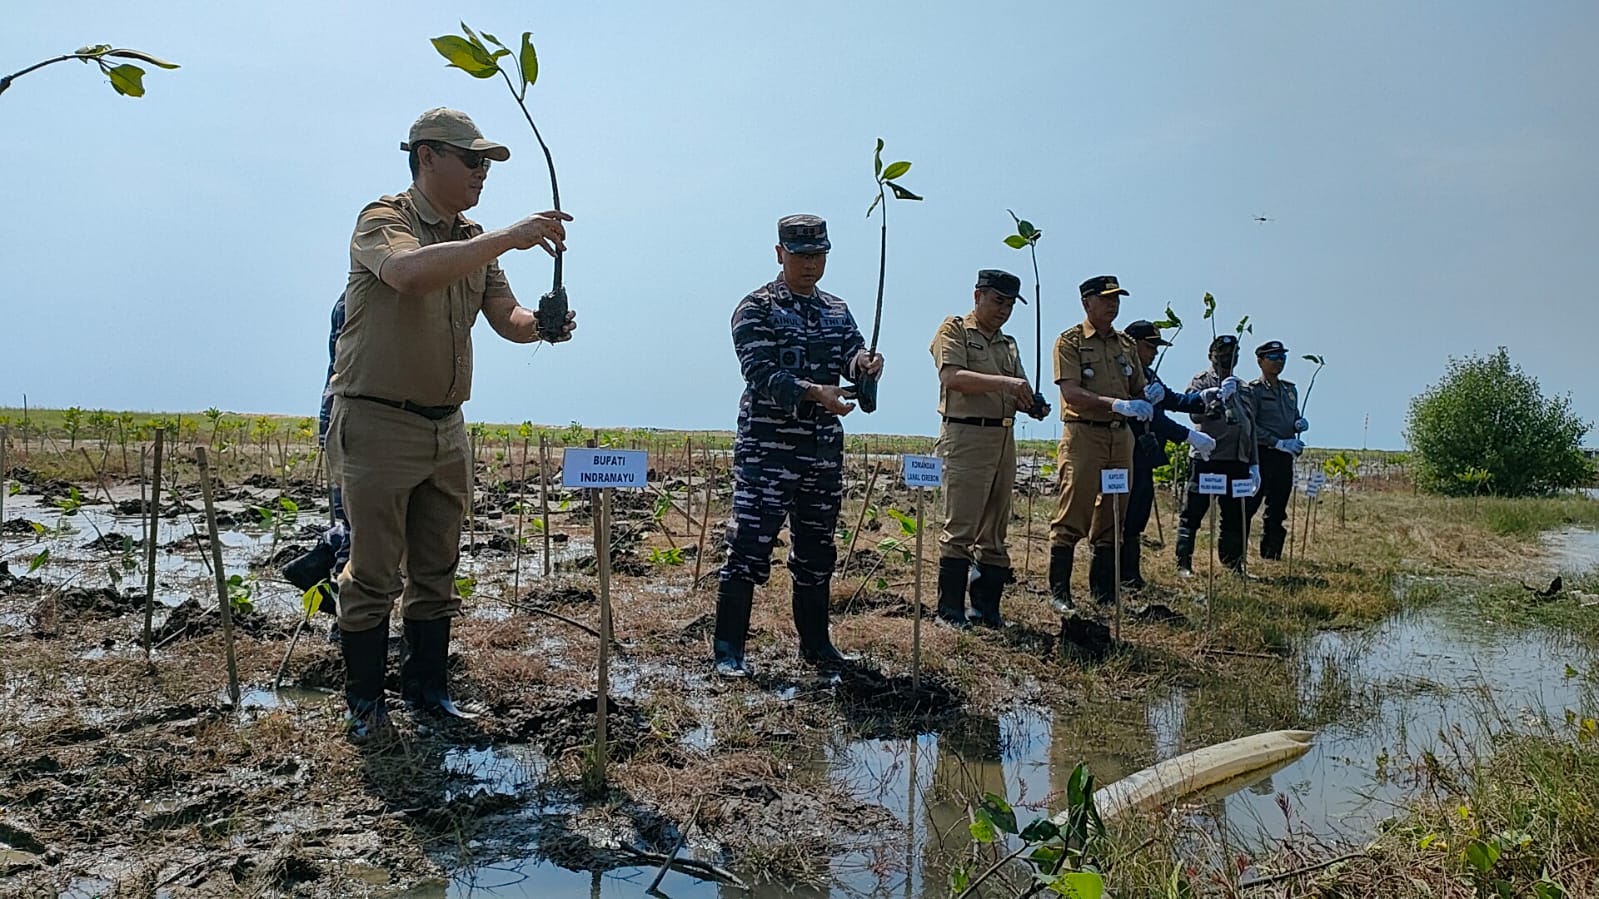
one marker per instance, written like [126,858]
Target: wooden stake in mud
[1293,526]
[705,513]
[600,471]
[5,437]
[1242,489]
[1214,485]
[1113,483]
[921,474]
[149,546]
[1032,491]
[866,503]
[222,581]
[521,521]
[544,498]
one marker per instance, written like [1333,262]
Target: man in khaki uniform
[420,272]
[981,387]
[1101,387]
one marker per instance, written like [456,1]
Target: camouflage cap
[803,234]
[1001,282]
[451,126]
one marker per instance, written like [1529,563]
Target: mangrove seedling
[472,55]
[127,79]
[1170,321]
[1320,361]
[866,385]
[1027,236]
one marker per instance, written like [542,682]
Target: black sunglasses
[469,158]
[1275,357]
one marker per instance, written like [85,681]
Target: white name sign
[1213,484]
[1244,487]
[600,468]
[1312,490]
[923,471]
[1318,478]
[1113,480]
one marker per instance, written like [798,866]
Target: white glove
[1139,409]
[1209,395]
[1155,392]
[1292,445]
[1254,479]
[1202,443]
[1229,387]
[1301,425]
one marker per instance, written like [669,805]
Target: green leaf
[1041,831]
[530,60]
[895,170]
[1000,812]
[142,56]
[311,600]
[1026,229]
[1047,855]
[877,162]
[1482,855]
[959,880]
[127,79]
[1016,241]
[476,41]
[900,192]
[466,56]
[493,40]
[1316,359]
[1078,885]
[37,562]
[1210,305]
[982,827]
[1172,316]
[1242,326]
[1548,889]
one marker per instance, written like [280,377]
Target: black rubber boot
[733,601]
[986,593]
[952,591]
[1132,577]
[1060,579]
[810,620]
[1271,545]
[365,658]
[1185,552]
[424,668]
[1102,575]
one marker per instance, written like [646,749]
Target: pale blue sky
[1430,169]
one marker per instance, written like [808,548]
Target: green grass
[1527,518]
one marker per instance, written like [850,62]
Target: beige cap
[451,126]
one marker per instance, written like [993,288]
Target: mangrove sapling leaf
[1076,884]
[907,523]
[1027,236]
[866,385]
[471,55]
[126,78]
[1244,326]
[1320,362]
[1210,313]
[38,561]
[311,600]
[1000,812]
[982,827]
[1170,321]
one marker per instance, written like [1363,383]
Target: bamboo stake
[860,522]
[602,540]
[155,530]
[544,497]
[705,515]
[5,437]
[222,581]
[1032,491]
[916,619]
[521,517]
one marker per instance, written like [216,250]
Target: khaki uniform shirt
[416,348]
[1103,362]
[960,343]
[1276,409]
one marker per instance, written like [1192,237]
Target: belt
[431,413]
[1097,424]
[981,422]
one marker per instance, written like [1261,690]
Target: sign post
[1312,493]
[1113,483]
[921,473]
[1243,489]
[1212,485]
[603,470]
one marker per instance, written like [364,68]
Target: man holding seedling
[1101,389]
[1275,404]
[420,273]
[794,344]
[1149,446]
[1227,419]
[981,388]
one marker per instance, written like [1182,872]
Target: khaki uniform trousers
[979,475]
[405,481]
[1086,449]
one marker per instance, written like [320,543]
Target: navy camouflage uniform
[788,457]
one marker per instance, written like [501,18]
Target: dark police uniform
[1276,410]
[1235,456]
[788,456]
[1149,453]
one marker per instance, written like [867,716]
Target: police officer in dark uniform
[1275,404]
[794,344]
[1149,445]
[1228,420]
